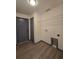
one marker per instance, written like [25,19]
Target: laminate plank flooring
[40,50]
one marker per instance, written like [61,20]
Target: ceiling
[22,6]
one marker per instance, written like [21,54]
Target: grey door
[22,29]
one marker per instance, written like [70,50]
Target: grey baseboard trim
[60,50]
[44,42]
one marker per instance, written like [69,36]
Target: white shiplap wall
[52,21]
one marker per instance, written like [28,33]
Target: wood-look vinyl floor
[40,50]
